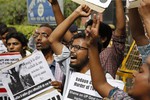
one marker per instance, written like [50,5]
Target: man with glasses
[74,59]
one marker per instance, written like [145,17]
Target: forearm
[137,28]
[60,18]
[98,77]
[57,12]
[61,29]
[120,18]
[147,26]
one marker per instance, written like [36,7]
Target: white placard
[9,58]
[80,87]
[4,96]
[97,5]
[132,4]
[53,94]
[28,77]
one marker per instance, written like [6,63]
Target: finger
[94,21]
[98,22]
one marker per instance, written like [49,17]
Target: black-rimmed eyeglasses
[77,47]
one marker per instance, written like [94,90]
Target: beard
[78,67]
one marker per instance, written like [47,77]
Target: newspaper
[9,58]
[28,77]
[80,87]
[2,47]
[132,4]
[5,60]
[97,5]
[4,96]
[51,94]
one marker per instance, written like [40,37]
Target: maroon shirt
[111,57]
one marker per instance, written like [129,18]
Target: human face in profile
[141,81]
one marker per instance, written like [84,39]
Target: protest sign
[4,96]
[9,58]
[2,47]
[132,3]
[51,94]
[5,60]
[97,5]
[28,77]
[80,87]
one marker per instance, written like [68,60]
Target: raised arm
[59,18]
[100,84]
[144,11]
[120,18]
[57,35]
[137,28]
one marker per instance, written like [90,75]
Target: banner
[97,5]
[28,77]
[9,58]
[80,87]
[132,3]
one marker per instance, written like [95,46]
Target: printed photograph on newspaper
[28,77]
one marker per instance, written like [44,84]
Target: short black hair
[19,36]
[47,25]
[104,31]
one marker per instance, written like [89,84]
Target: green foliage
[25,29]
[13,11]
[69,7]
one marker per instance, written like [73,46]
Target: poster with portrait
[80,87]
[28,77]
[97,5]
[132,3]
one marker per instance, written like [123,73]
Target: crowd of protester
[67,50]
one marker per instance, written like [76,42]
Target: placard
[28,77]
[97,5]
[9,58]
[80,87]
[132,4]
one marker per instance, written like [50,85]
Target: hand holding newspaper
[132,3]
[97,5]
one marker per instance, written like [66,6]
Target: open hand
[92,33]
